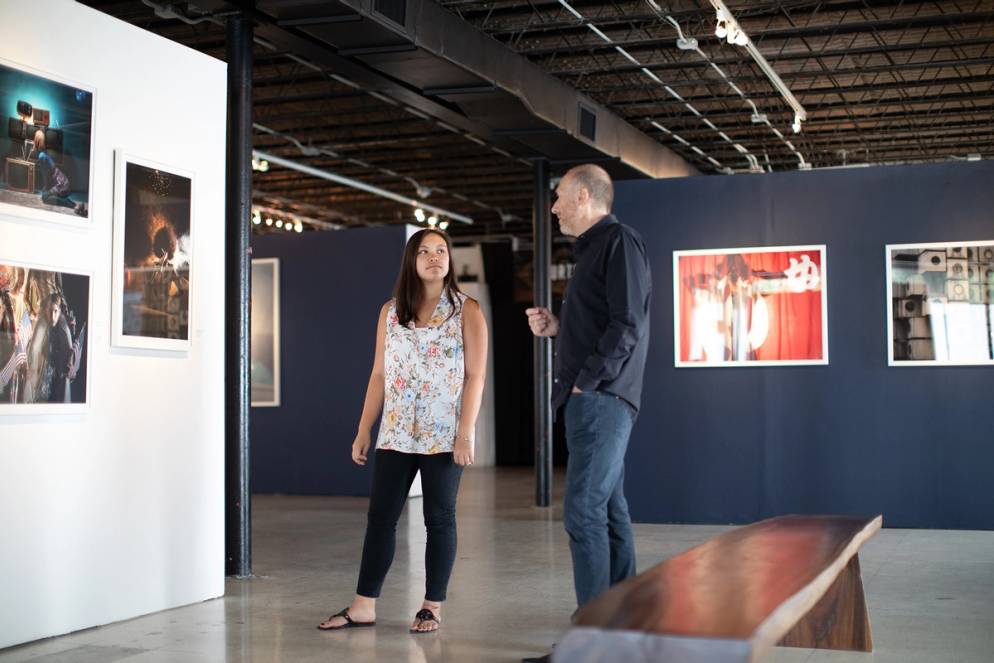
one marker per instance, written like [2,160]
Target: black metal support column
[542,289]
[238,514]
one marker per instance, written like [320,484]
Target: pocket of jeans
[582,409]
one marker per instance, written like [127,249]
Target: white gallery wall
[119,511]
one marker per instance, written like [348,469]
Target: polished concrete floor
[930,593]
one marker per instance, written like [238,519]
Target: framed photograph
[265,370]
[762,306]
[153,254]
[44,339]
[46,145]
[940,309]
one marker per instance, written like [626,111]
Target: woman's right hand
[360,447]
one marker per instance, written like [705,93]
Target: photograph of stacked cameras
[941,305]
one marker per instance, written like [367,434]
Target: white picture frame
[934,317]
[803,272]
[20,409]
[119,319]
[66,219]
[261,266]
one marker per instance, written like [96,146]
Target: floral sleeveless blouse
[423,381]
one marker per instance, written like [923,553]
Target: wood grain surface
[752,583]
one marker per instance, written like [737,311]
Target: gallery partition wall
[780,397]
[112,325]
[331,286]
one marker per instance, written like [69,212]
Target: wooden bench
[792,581]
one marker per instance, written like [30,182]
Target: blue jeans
[595,511]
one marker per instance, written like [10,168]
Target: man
[602,340]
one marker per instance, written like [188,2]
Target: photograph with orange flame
[157,254]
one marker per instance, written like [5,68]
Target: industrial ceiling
[450,103]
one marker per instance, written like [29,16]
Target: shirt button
[556,380]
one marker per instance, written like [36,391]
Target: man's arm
[628,287]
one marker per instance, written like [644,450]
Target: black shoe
[541,659]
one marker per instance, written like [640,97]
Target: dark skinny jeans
[393,473]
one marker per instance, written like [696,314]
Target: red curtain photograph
[735,307]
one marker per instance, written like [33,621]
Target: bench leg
[839,620]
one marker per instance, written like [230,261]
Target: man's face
[53,313]
[567,206]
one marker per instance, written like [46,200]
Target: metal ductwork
[431,60]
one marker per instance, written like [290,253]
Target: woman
[428,374]
[55,184]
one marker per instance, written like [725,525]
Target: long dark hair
[409,290]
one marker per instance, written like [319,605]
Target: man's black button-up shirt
[603,337]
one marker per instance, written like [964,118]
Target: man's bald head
[596,181]
[584,196]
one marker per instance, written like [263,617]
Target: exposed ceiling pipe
[422,190]
[356,184]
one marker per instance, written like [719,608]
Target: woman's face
[433,258]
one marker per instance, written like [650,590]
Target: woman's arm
[374,394]
[474,334]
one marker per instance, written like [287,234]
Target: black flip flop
[349,623]
[426,615]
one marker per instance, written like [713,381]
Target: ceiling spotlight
[288,227]
[299,227]
[269,221]
[279,223]
[721,29]
[260,165]
[797,124]
[443,225]
[432,221]
[419,214]
[728,28]
[256,217]
[686,43]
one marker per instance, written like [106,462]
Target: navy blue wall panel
[721,445]
[332,285]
